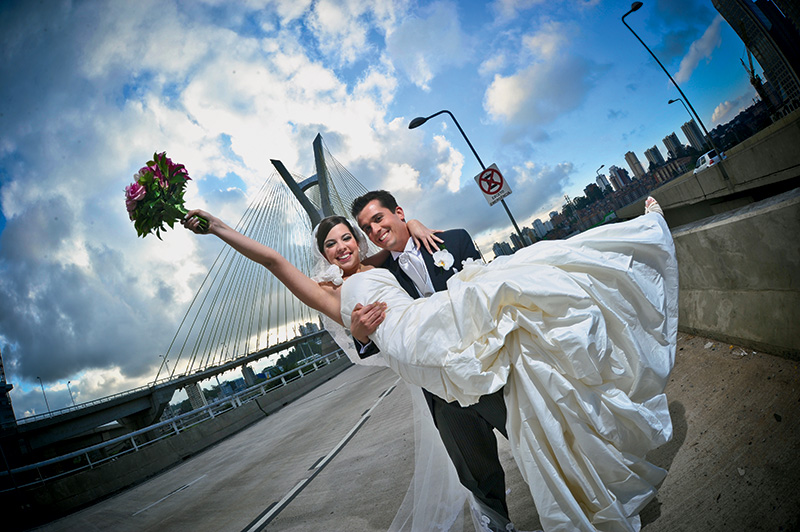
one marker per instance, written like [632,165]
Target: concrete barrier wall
[740,276]
[39,504]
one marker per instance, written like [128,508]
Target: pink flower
[134,192]
[131,205]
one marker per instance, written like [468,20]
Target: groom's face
[385,228]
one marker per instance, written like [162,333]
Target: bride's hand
[421,234]
[192,221]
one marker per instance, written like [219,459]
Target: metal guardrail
[81,406]
[91,457]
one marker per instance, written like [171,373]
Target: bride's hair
[329,223]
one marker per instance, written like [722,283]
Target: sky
[549,90]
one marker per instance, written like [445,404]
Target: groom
[466,431]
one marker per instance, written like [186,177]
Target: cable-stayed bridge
[239,314]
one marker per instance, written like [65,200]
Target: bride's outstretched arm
[307,290]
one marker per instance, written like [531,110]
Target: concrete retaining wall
[740,276]
[40,504]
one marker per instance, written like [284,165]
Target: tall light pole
[684,106]
[70,394]
[635,7]
[44,394]
[421,120]
[598,170]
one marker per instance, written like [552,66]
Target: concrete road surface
[321,464]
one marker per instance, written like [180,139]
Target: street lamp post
[44,394]
[598,170]
[635,7]
[684,106]
[70,394]
[421,120]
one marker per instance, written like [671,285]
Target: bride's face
[341,249]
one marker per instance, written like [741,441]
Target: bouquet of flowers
[155,197]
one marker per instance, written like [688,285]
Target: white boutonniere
[443,259]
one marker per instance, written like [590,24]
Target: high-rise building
[602,182]
[694,136]
[770,31]
[516,242]
[674,146]
[634,164]
[249,375]
[501,248]
[614,181]
[654,156]
[539,228]
[620,175]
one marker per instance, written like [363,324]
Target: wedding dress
[580,335]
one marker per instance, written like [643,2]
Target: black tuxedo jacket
[458,243]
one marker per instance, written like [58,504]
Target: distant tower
[654,156]
[693,135]
[539,228]
[674,146]
[634,164]
[771,34]
[7,417]
[602,182]
[502,248]
[620,175]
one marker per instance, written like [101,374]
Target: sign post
[492,184]
[495,188]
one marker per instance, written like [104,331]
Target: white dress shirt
[411,262]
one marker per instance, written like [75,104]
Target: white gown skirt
[580,334]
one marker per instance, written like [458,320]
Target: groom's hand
[365,319]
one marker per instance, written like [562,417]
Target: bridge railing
[91,457]
[81,406]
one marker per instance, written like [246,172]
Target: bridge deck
[734,461]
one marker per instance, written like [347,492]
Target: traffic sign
[492,184]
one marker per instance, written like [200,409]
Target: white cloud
[548,41]
[340,28]
[450,164]
[728,109]
[492,64]
[423,46]
[539,93]
[508,9]
[699,50]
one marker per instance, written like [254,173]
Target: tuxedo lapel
[439,275]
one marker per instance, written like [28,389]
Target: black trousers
[468,436]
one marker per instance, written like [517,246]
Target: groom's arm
[364,320]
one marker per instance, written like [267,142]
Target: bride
[580,335]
